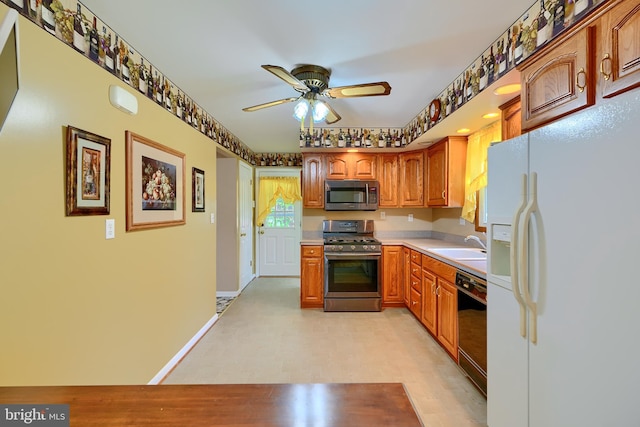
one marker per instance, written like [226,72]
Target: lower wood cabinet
[392,283]
[312,277]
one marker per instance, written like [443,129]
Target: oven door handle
[347,256]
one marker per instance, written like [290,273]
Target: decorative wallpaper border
[75,25]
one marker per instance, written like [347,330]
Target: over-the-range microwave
[350,195]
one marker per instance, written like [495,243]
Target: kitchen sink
[461,254]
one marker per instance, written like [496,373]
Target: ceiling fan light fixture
[319,110]
[301,109]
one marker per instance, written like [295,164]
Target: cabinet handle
[444,194]
[414,302]
[583,73]
[438,291]
[312,251]
[607,58]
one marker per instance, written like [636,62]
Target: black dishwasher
[472,328]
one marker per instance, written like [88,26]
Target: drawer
[415,269]
[312,251]
[416,256]
[416,283]
[415,303]
[439,268]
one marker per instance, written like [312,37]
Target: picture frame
[197,190]
[88,173]
[155,184]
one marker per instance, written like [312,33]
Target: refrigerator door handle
[532,207]
[514,259]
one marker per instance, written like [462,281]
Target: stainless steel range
[352,266]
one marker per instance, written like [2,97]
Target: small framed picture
[197,190]
[155,184]
[88,165]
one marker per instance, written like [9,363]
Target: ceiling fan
[312,81]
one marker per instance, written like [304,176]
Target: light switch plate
[110,229]
[410,218]
[383,215]
[213,218]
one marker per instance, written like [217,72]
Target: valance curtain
[273,187]
[476,169]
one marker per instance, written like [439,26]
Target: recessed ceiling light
[463,130]
[507,89]
[490,115]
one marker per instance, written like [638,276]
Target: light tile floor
[264,337]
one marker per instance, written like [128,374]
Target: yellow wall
[76,308]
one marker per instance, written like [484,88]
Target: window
[282,215]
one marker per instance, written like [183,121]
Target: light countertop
[477,268]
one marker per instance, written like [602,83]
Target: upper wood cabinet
[511,118]
[313,181]
[558,81]
[388,178]
[446,164]
[351,166]
[619,53]
[411,178]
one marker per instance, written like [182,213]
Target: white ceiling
[213,49]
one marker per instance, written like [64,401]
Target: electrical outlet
[462,221]
[383,215]
[110,229]
[410,218]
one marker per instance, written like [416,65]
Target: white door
[279,238]
[245,223]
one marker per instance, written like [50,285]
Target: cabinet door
[411,178]
[313,181]
[437,174]
[447,317]
[392,285]
[406,274]
[388,177]
[337,166]
[559,82]
[312,277]
[362,166]
[511,118]
[620,60]
[429,301]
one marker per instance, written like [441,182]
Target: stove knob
[340,247]
[353,248]
[365,247]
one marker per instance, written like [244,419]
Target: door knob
[243,234]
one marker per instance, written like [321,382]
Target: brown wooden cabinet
[440,303]
[312,277]
[406,274]
[446,164]
[392,284]
[559,81]
[511,118]
[313,181]
[388,178]
[351,166]
[619,53]
[411,181]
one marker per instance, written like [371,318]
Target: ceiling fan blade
[287,77]
[270,104]
[332,117]
[366,89]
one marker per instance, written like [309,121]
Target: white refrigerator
[564,232]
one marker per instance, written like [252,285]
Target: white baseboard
[230,294]
[183,351]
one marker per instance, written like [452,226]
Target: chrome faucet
[477,239]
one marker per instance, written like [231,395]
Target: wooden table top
[327,405]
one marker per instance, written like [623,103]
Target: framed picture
[197,190]
[88,165]
[155,184]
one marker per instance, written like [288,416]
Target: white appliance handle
[532,207]
[517,293]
